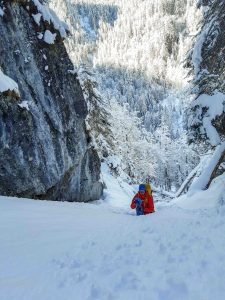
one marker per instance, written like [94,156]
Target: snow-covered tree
[97,121]
[132,143]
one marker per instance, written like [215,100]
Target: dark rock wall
[211,75]
[212,66]
[44,151]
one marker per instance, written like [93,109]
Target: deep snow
[58,250]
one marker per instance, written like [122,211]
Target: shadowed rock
[44,150]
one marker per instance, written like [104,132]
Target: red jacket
[148,206]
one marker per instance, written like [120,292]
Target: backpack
[148,188]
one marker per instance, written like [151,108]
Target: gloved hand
[139,208]
[138,202]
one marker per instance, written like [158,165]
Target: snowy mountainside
[127,35]
[136,52]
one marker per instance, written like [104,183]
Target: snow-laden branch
[162,192]
[191,176]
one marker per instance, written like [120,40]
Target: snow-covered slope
[212,197]
[58,250]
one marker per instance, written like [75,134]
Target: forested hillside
[137,56]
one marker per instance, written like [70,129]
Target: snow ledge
[7,84]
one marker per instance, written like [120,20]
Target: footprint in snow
[147,230]
[138,244]
[75,264]
[95,292]
[174,290]
[59,263]
[122,246]
[162,249]
[128,281]
[62,284]
[80,277]
[88,244]
[119,247]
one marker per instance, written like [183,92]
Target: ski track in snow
[52,250]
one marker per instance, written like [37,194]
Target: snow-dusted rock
[8,84]
[214,106]
[44,151]
[209,75]
[49,16]
[24,104]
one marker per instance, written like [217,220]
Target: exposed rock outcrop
[207,61]
[44,146]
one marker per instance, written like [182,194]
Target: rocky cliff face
[44,147]
[207,60]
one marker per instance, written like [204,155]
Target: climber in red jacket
[143,201]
